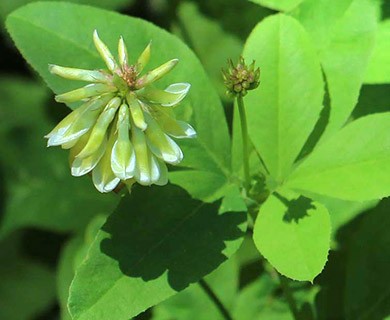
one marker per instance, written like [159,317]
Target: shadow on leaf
[297,209]
[163,232]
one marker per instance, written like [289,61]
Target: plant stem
[289,296]
[244,133]
[225,313]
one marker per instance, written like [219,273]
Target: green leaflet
[344,34]
[41,25]
[158,240]
[41,192]
[7,6]
[378,70]
[281,5]
[294,236]
[354,164]
[283,111]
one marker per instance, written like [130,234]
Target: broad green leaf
[73,253]
[194,302]
[56,28]
[344,33]
[209,41]
[41,192]
[367,294]
[156,243]
[294,236]
[378,70]
[354,164]
[7,6]
[26,287]
[283,111]
[281,5]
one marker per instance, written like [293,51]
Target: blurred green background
[44,211]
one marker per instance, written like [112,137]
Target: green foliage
[26,287]
[168,242]
[352,165]
[378,70]
[280,117]
[209,152]
[293,235]
[367,290]
[194,300]
[344,46]
[41,192]
[72,255]
[281,5]
[315,167]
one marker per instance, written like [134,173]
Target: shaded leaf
[194,302]
[367,285]
[281,5]
[73,253]
[158,246]
[26,287]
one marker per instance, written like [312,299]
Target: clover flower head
[241,78]
[123,131]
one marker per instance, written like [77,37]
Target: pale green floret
[137,113]
[147,168]
[160,144]
[169,97]
[81,166]
[103,177]
[144,58]
[100,128]
[168,123]
[105,53]
[79,74]
[122,52]
[122,132]
[156,74]
[77,123]
[86,92]
[123,156]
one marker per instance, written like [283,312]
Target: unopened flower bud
[240,78]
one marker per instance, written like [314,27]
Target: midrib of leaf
[278,99]
[150,250]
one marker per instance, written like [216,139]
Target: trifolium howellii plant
[122,131]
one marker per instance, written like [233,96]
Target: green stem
[289,296]
[222,309]
[244,133]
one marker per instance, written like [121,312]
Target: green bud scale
[122,133]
